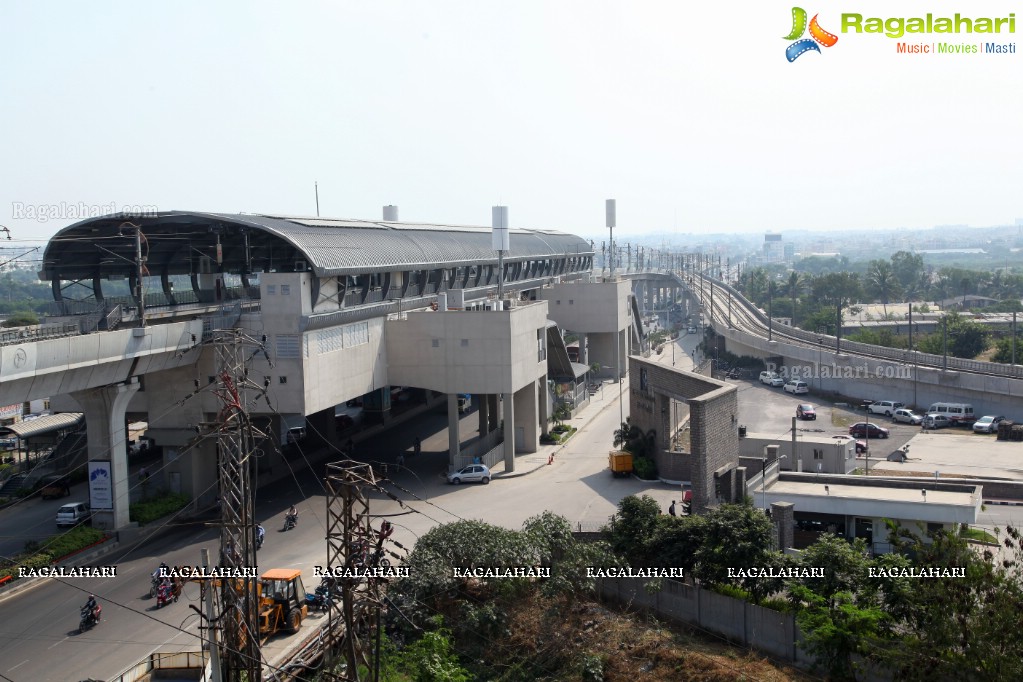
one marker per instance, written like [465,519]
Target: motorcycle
[165,595]
[90,617]
[290,521]
[321,599]
[259,540]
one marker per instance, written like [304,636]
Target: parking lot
[765,409]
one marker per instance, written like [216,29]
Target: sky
[688,114]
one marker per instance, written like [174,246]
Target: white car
[771,379]
[907,416]
[988,424]
[796,386]
[470,474]
[885,407]
[72,514]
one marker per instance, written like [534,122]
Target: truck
[620,463]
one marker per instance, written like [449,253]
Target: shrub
[158,507]
[644,468]
[79,537]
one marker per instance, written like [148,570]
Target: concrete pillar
[484,414]
[507,401]
[584,352]
[526,418]
[322,428]
[453,436]
[783,517]
[649,296]
[542,403]
[495,411]
[104,410]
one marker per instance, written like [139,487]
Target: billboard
[101,487]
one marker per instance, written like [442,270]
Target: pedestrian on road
[671,509]
[417,446]
[401,459]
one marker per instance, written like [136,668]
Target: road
[38,627]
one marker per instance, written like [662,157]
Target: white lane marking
[60,642]
[18,666]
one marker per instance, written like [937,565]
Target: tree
[835,630]
[1003,354]
[908,269]
[794,287]
[965,338]
[881,282]
[737,536]
[633,526]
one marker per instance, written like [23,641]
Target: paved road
[37,641]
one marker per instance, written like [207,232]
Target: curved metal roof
[45,424]
[186,242]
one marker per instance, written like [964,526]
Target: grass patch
[150,510]
[978,534]
[558,435]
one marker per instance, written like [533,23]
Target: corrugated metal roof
[44,424]
[176,241]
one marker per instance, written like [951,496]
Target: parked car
[868,430]
[470,474]
[936,421]
[691,330]
[959,414]
[52,487]
[806,411]
[771,379]
[907,416]
[885,407]
[795,386]
[72,514]
[988,424]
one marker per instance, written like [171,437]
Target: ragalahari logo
[817,35]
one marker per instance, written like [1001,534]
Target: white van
[959,414]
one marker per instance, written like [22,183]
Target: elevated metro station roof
[179,242]
[45,424]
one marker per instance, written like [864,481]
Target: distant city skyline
[448,108]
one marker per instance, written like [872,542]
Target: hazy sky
[687,113]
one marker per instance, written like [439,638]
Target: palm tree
[795,286]
[882,282]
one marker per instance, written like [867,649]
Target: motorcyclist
[260,533]
[93,607]
[291,519]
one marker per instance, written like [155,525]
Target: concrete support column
[495,411]
[322,428]
[453,436]
[584,352]
[542,402]
[649,296]
[507,401]
[105,409]
[484,414]
[526,414]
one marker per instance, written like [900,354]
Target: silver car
[988,424]
[907,416]
[471,474]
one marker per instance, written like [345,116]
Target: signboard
[10,410]
[101,486]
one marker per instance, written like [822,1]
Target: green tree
[737,536]
[881,282]
[1003,352]
[794,287]
[836,630]
[908,269]
[965,338]
[632,528]
[431,658]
